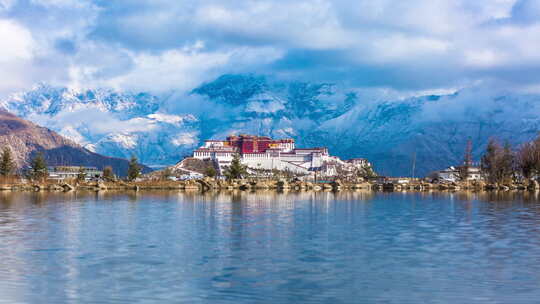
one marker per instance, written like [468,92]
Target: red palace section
[255,144]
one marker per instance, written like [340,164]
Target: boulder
[67,187]
[327,186]
[260,185]
[283,184]
[491,187]
[337,185]
[55,187]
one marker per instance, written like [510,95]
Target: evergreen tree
[210,171]
[134,169]
[38,167]
[236,170]
[275,173]
[81,175]
[108,173]
[7,165]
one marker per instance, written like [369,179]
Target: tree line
[500,163]
[37,169]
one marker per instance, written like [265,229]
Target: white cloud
[5,5]
[399,47]
[160,45]
[180,69]
[59,3]
[311,24]
[171,69]
[484,101]
[17,41]
[185,139]
[16,55]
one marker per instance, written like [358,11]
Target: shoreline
[208,184]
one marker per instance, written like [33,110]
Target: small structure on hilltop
[261,153]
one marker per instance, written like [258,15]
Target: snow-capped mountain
[109,122]
[25,139]
[161,129]
[433,130]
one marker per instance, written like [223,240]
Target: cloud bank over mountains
[382,79]
[158,45]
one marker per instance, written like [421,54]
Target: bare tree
[489,160]
[528,159]
[507,164]
[108,173]
[498,162]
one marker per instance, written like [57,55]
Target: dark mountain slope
[26,139]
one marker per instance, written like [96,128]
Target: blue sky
[156,45]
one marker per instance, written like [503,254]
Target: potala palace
[261,152]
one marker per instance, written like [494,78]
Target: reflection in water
[233,246]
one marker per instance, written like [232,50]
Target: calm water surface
[349,247]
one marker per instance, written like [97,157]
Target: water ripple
[235,247]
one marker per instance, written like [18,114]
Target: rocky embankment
[208,184]
[469,186]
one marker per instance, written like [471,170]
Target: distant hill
[26,139]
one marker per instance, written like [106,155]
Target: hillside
[26,139]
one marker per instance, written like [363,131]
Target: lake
[266,247]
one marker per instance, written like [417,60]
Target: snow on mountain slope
[51,101]
[108,122]
[434,129]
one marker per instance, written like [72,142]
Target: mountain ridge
[162,130]
[25,139]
